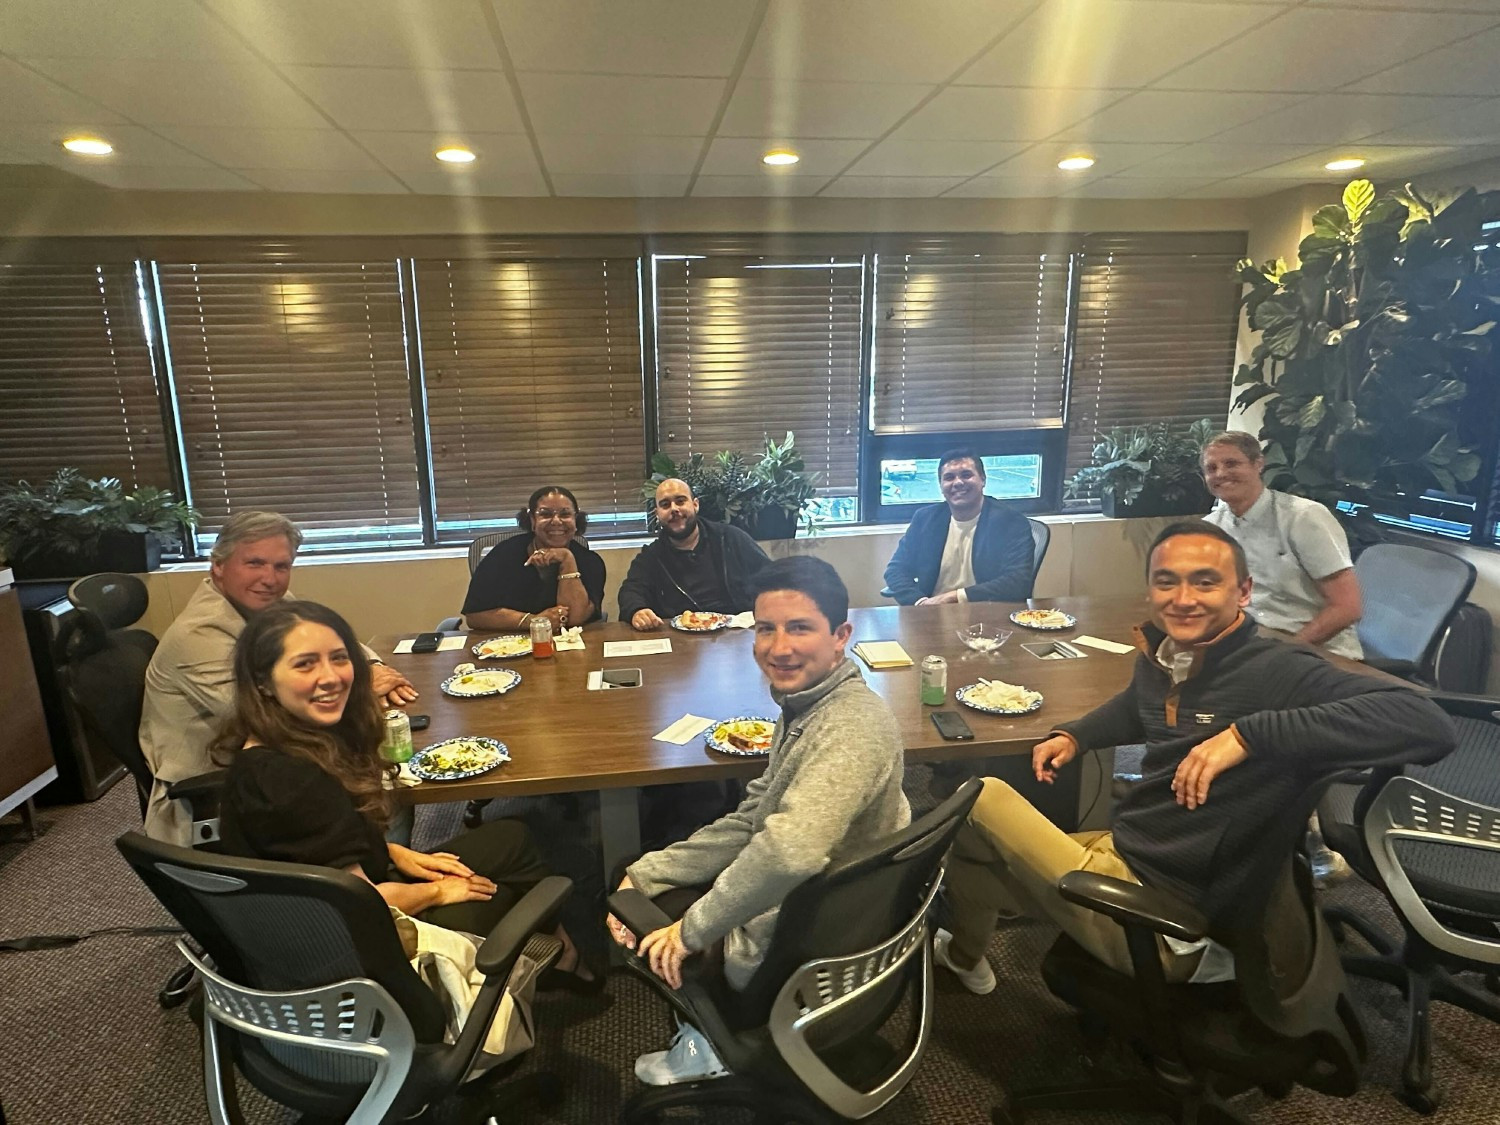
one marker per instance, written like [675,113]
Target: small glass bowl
[984,638]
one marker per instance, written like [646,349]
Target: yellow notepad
[883,654]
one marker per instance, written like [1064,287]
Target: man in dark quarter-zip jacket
[1236,726]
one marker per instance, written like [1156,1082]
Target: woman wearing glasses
[545,572]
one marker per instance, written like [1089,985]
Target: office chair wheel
[180,987]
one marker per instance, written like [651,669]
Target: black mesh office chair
[803,1039]
[1285,1020]
[1041,539]
[307,990]
[1409,593]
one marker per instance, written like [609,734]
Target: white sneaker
[980,980]
[1328,867]
[690,1057]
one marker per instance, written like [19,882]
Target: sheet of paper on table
[744,620]
[1102,644]
[684,730]
[447,644]
[883,654]
[637,648]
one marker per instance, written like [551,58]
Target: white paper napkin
[637,648]
[570,639]
[744,620]
[447,644]
[684,730]
[1101,643]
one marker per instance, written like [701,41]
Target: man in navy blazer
[970,549]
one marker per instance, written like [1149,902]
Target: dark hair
[809,576]
[1201,527]
[962,453]
[523,517]
[349,750]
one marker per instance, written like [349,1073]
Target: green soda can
[397,744]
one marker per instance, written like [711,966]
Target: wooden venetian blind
[750,346]
[968,340]
[1157,318]
[533,371]
[293,394]
[76,383]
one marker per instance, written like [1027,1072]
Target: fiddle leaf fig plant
[1375,345]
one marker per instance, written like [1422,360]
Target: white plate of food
[474,685]
[457,758]
[504,647]
[700,621]
[996,697]
[1048,620]
[749,736]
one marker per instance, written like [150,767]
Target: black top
[281,807]
[654,582]
[698,572]
[504,581]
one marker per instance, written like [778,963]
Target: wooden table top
[563,737]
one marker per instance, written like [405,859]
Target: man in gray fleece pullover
[831,787]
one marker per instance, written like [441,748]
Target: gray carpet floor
[82,1040]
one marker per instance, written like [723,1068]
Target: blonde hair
[1246,442]
[249,527]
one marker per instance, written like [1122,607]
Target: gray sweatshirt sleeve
[698,860]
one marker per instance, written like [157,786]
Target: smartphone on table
[951,725]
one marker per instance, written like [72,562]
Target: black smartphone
[420,722]
[621,677]
[951,725]
[427,642]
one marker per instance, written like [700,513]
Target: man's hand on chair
[1204,762]
[666,952]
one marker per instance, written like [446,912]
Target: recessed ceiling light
[454,155]
[1346,165]
[88,146]
[1076,163]
[779,157]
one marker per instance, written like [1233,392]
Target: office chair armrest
[1131,904]
[191,789]
[640,915]
[1483,707]
[1403,668]
[535,913]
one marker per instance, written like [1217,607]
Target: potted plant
[72,526]
[1150,470]
[765,497]
[1375,358]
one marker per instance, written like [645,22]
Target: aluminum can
[397,744]
[934,681]
[541,638]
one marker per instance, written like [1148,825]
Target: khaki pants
[1009,857]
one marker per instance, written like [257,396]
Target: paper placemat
[1101,643]
[684,730]
[447,644]
[637,648]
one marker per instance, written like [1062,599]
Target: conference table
[565,738]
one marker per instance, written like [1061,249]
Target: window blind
[76,381]
[969,340]
[1157,318]
[533,374]
[293,396]
[751,346]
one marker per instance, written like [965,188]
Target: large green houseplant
[1375,348]
[765,496]
[1148,470]
[71,526]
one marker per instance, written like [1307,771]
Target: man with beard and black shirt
[695,564]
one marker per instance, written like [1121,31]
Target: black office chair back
[1041,538]
[1409,594]
[118,600]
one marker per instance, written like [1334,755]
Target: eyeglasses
[550,514]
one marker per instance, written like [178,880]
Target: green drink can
[934,681]
[397,744]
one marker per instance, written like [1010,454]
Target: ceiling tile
[491,181]
[134,147]
[901,157]
[1242,189]
[1176,115]
[1041,160]
[403,152]
[738,156]
[186,93]
[304,149]
[405,33]
[990,113]
[29,97]
[1012,187]
[817,109]
[666,37]
[1117,187]
[1313,49]
[1470,124]
[1470,67]
[1340,118]
[1379,161]
[748,186]
[605,155]
[324,180]
[1109,42]
[891,187]
[624,187]
[161,29]
[875,40]
[1212,159]
[648,107]
[137,178]
[384,99]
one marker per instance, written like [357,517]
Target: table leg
[28,816]
[619,829]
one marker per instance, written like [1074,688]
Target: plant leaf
[1357,199]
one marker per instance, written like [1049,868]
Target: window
[754,345]
[533,376]
[76,380]
[910,482]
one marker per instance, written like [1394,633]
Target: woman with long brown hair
[306,782]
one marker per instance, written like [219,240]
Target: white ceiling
[882,98]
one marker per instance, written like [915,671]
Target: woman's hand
[428,866]
[666,952]
[456,888]
[545,556]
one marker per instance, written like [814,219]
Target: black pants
[501,851]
